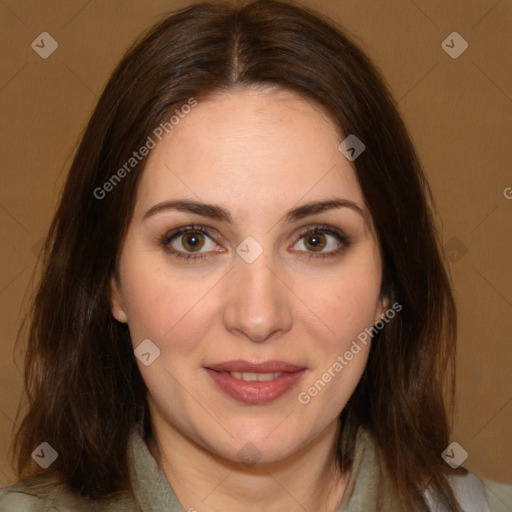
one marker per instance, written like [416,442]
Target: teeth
[249,377]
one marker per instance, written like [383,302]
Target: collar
[367,489]
[151,489]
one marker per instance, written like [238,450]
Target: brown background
[458,112]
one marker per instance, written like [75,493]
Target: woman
[243,304]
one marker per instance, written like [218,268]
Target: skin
[257,153]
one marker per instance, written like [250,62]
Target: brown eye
[315,240]
[189,242]
[322,242]
[192,240]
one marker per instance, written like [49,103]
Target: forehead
[253,151]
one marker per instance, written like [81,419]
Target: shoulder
[47,493]
[499,496]
[477,495]
[36,493]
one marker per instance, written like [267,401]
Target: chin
[258,448]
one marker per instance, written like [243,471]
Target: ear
[116,301]
[382,307]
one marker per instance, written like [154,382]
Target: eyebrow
[216,212]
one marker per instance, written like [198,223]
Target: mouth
[255,383]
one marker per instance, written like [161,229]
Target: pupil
[315,241]
[192,241]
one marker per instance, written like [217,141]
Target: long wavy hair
[84,389]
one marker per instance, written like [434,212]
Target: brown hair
[84,389]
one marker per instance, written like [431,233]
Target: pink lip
[264,367]
[255,392]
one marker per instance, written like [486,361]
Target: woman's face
[259,313]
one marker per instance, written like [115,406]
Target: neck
[308,480]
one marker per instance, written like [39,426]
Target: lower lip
[256,392]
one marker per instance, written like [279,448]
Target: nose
[257,303]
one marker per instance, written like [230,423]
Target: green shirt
[368,489]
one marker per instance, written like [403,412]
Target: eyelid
[323,228]
[343,239]
[176,233]
[187,257]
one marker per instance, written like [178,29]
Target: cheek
[342,306]
[179,306]
[172,311]
[346,307]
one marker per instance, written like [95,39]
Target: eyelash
[322,228]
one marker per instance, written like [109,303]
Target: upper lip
[263,367]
